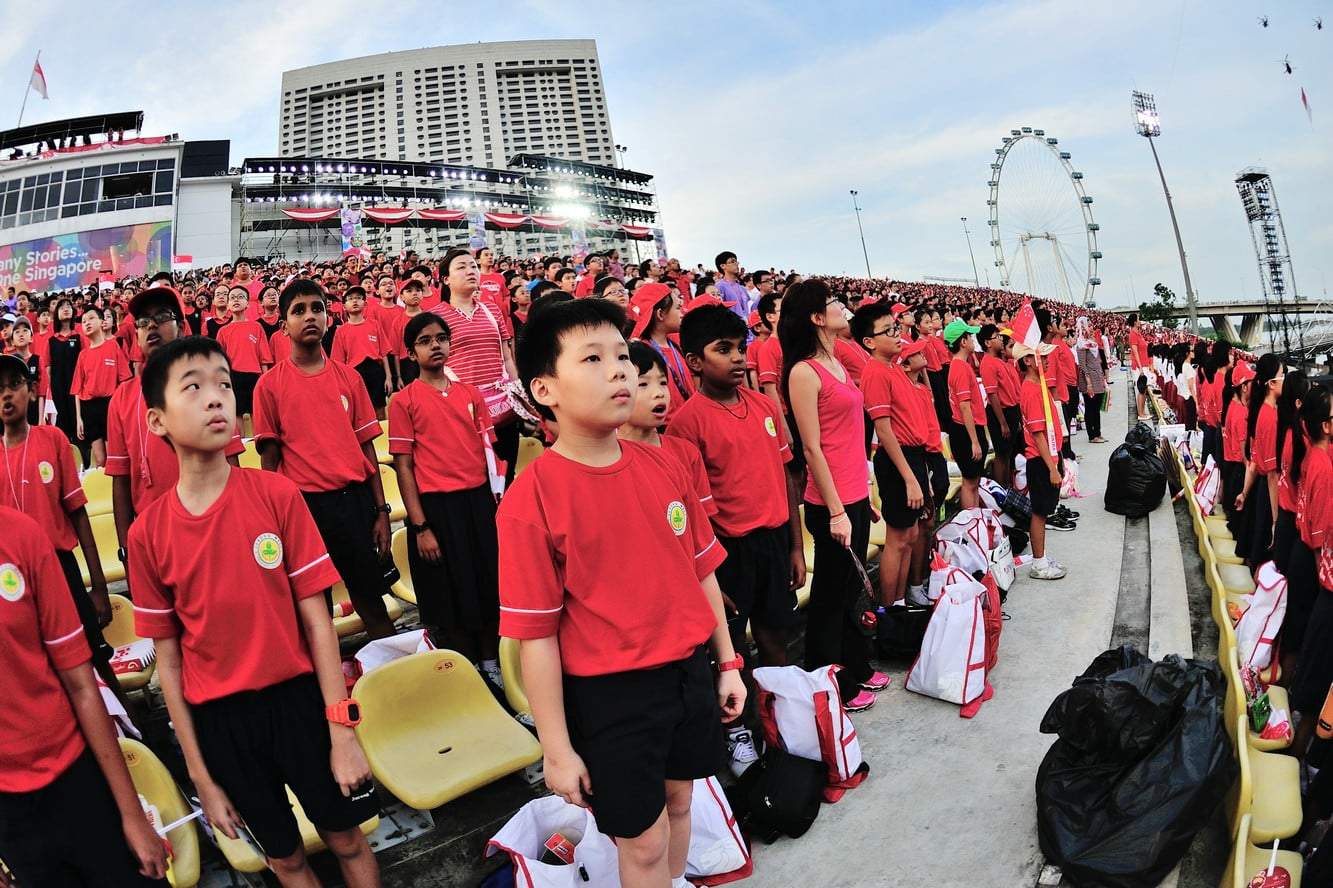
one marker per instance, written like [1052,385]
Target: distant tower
[1259,199]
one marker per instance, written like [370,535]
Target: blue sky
[758,118]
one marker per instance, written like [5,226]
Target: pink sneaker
[876,682]
[860,702]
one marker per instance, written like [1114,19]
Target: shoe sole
[1034,577]
[1059,528]
[875,689]
[857,708]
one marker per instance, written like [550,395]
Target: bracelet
[839,515]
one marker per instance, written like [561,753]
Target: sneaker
[878,681]
[491,671]
[741,748]
[860,703]
[1048,571]
[917,595]
[1066,512]
[1061,523]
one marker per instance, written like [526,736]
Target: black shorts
[1316,662]
[893,490]
[461,590]
[755,577]
[243,387]
[372,374]
[93,412]
[1141,384]
[938,468]
[253,742]
[636,730]
[67,834]
[83,605]
[1004,446]
[1044,495]
[346,520]
[961,446]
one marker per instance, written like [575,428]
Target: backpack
[900,630]
[780,795]
[802,713]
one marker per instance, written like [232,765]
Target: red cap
[157,295]
[899,308]
[1242,372]
[753,319]
[911,347]
[708,299]
[871,300]
[641,305]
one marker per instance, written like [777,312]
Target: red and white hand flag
[38,80]
[1027,332]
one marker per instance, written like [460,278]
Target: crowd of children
[700,425]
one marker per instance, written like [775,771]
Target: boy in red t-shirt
[359,342]
[414,291]
[440,436]
[1002,383]
[314,423]
[228,572]
[968,442]
[606,579]
[1042,437]
[100,368]
[247,349]
[69,813]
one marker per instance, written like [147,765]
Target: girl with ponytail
[1259,507]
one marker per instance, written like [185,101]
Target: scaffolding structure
[1259,199]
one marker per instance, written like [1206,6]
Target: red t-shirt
[1065,369]
[1001,380]
[841,411]
[280,346]
[1138,350]
[354,343]
[888,393]
[392,321]
[40,633]
[584,287]
[134,452]
[937,353]
[246,346]
[926,400]
[744,449]
[475,353]
[964,387]
[608,559]
[1263,449]
[1314,501]
[852,357]
[40,480]
[442,432]
[321,420]
[1030,404]
[752,356]
[770,361]
[226,583]
[1233,433]
[99,370]
[491,288]
[693,462]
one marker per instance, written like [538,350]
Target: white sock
[680,882]
[1040,562]
[921,587]
[901,602]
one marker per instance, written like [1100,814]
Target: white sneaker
[740,745]
[492,671]
[1049,571]
[917,595]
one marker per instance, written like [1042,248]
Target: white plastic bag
[718,853]
[385,650]
[1069,481]
[802,713]
[952,662]
[596,861]
[976,542]
[1266,606]
[1207,486]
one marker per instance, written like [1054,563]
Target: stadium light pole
[967,234]
[1148,124]
[864,251]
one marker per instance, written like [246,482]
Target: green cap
[957,327]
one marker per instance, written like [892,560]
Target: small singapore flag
[38,81]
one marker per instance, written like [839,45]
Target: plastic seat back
[346,621]
[382,455]
[398,546]
[528,450]
[154,783]
[1244,789]
[97,487]
[511,669]
[249,458]
[392,496]
[432,731]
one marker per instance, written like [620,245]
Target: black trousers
[346,520]
[1092,413]
[831,633]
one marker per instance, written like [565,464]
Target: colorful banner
[659,240]
[478,238]
[354,234]
[76,260]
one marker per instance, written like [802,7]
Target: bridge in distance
[1251,313]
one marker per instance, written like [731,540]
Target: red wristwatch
[345,712]
[735,663]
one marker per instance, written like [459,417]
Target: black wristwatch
[386,509]
[122,555]
[419,528]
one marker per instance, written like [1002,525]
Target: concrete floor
[951,802]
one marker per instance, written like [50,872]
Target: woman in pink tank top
[829,412]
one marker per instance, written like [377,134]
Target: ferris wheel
[1042,228]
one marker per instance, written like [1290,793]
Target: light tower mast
[1259,200]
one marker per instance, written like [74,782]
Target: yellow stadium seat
[249,457]
[1235,701]
[877,533]
[1269,789]
[528,450]
[240,854]
[511,670]
[803,593]
[1247,860]
[945,448]
[78,456]
[1217,527]
[403,588]
[104,534]
[1236,579]
[955,485]
[310,837]
[120,632]
[97,487]
[392,496]
[352,623]
[153,782]
[432,731]
[382,455]
[1225,550]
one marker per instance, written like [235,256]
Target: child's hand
[78,429]
[380,534]
[146,845]
[915,499]
[348,761]
[797,574]
[567,777]
[217,808]
[1056,478]
[730,694]
[427,546]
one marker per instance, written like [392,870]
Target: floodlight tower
[1149,125]
[1259,199]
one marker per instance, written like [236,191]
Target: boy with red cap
[100,368]
[1042,436]
[655,309]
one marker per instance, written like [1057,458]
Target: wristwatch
[386,509]
[418,528]
[345,712]
[735,663]
[122,556]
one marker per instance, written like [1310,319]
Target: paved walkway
[950,803]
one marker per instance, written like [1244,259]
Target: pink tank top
[842,438]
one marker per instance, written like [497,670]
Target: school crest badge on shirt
[268,550]
[770,427]
[46,472]
[12,585]
[347,405]
[676,517]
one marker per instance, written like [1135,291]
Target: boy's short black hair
[298,287]
[645,357]
[420,322]
[767,304]
[158,366]
[543,287]
[564,271]
[539,345]
[722,259]
[986,332]
[707,324]
[863,322]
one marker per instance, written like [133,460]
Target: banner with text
[76,260]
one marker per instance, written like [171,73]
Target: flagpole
[24,106]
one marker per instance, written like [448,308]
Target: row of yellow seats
[1265,803]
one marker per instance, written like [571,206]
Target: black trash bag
[1142,435]
[1135,480]
[1142,760]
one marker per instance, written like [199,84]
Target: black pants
[346,520]
[831,633]
[506,448]
[1069,409]
[1092,413]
